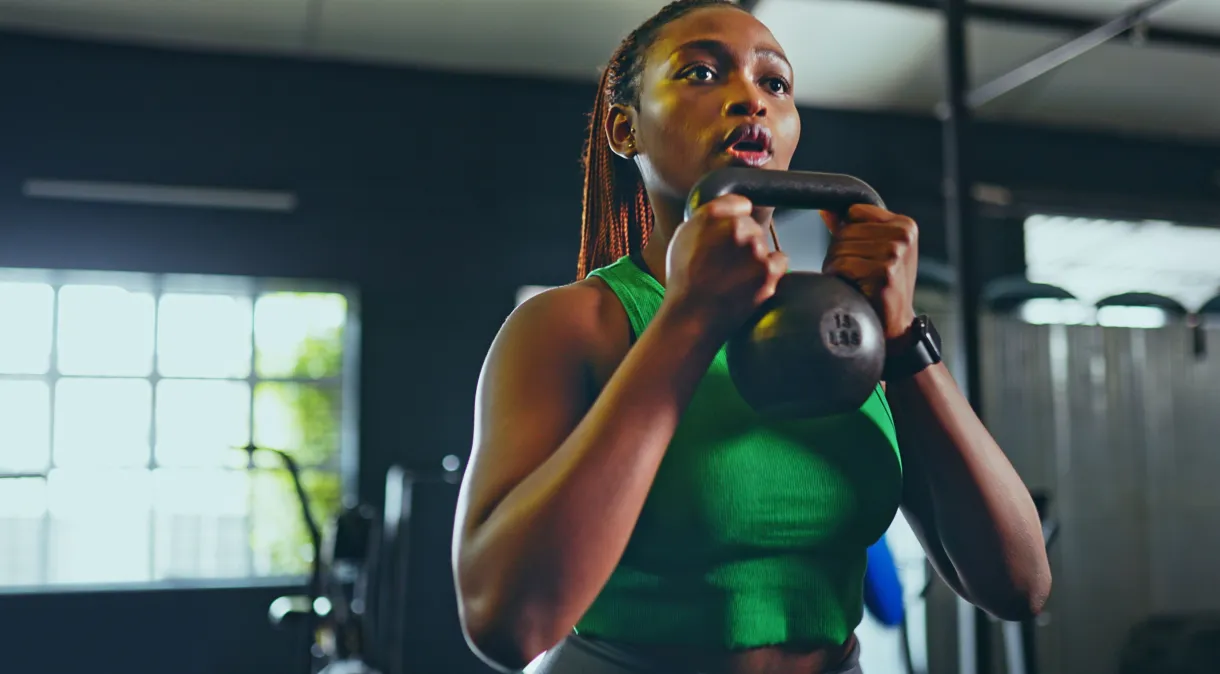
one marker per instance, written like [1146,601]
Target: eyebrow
[720,48]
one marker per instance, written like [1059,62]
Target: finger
[855,268]
[869,249]
[777,264]
[746,230]
[833,221]
[760,248]
[874,231]
[727,206]
[868,212]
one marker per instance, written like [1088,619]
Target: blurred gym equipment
[353,615]
[1174,644]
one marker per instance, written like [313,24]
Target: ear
[620,131]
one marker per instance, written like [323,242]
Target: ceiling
[856,54]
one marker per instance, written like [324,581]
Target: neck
[666,215]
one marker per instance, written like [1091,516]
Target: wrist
[690,324]
[917,349]
[901,337]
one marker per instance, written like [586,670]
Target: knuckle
[909,230]
[728,205]
[715,208]
[747,227]
[748,222]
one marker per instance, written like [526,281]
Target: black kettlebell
[816,347]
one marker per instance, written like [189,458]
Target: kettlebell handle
[806,190]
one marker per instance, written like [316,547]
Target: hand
[719,264]
[879,252]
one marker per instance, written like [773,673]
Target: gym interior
[257,251]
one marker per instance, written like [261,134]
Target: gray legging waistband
[580,655]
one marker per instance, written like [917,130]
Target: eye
[777,85]
[699,73]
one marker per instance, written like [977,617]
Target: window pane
[99,526]
[279,536]
[299,334]
[102,422]
[200,423]
[105,330]
[23,503]
[201,523]
[25,327]
[300,418]
[204,336]
[25,426]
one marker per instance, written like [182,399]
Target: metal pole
[1012,16]
[1064,53]
[962,235]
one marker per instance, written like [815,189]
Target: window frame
[347,384]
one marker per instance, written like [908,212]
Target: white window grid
[342,462]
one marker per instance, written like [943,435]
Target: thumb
[832,220]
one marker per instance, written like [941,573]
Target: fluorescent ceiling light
[161,195]
[1095,259]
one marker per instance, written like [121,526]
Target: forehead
[731,26]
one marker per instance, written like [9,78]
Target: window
[125,403]
[1096,259]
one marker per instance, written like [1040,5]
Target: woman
[623,508]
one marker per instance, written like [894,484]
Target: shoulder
[583,318]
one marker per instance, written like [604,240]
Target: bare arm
[555,486]
[965,502]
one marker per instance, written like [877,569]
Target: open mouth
[749,145]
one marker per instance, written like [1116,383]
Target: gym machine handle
[807,190]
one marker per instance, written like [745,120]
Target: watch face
[927,329]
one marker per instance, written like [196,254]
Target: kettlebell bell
[816,347]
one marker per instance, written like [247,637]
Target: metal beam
[961,234]
[1064,53]
[1067,23]
[961,229]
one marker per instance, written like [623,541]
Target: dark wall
[205,631]
[437,195]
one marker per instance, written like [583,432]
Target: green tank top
[755,532]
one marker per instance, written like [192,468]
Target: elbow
[506,639]
[1023,602]
[499,649]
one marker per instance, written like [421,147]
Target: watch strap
[922,353]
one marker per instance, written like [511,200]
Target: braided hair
[617,217]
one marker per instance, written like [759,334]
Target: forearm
[983,514]
[538,560]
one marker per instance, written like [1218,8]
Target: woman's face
[716,91]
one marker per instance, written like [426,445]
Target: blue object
[882,589]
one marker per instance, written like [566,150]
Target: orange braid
[617,217]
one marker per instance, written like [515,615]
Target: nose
[745,100]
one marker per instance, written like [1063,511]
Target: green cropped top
[755,532]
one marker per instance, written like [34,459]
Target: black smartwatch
[923,352]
